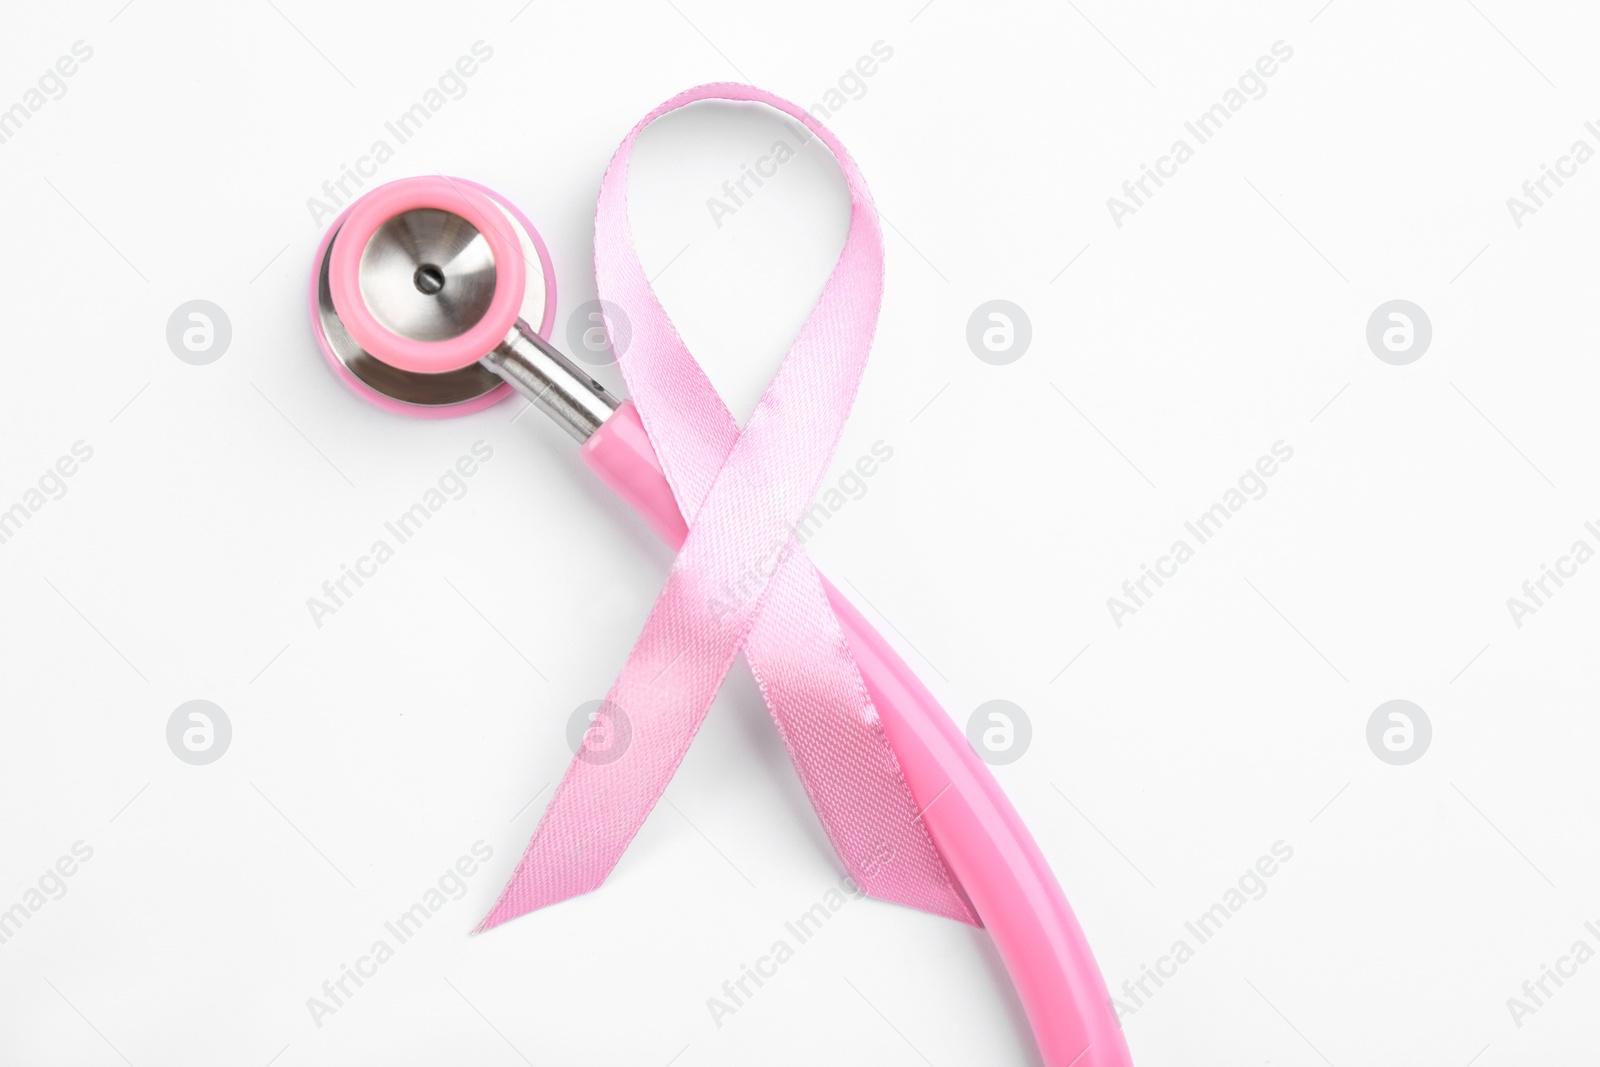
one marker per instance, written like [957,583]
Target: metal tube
[551,381]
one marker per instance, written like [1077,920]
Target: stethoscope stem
[551,382]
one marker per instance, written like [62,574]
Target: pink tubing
[967,814]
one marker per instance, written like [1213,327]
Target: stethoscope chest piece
[416,282]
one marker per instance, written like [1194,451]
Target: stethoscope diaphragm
[420,278]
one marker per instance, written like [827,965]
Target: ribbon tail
[834,735]
[541,878]
[639,737]
[612,784]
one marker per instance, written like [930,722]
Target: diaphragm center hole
[429,280]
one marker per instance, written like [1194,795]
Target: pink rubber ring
[344,275]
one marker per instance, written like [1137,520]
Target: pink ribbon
[743,494]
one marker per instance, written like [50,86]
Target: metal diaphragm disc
[427,275]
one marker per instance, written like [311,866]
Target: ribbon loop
[744,493]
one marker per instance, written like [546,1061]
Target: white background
[1228,714]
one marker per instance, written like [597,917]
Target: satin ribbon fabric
[743,492]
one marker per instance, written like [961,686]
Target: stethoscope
[423,298]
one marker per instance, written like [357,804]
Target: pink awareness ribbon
[743,493]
